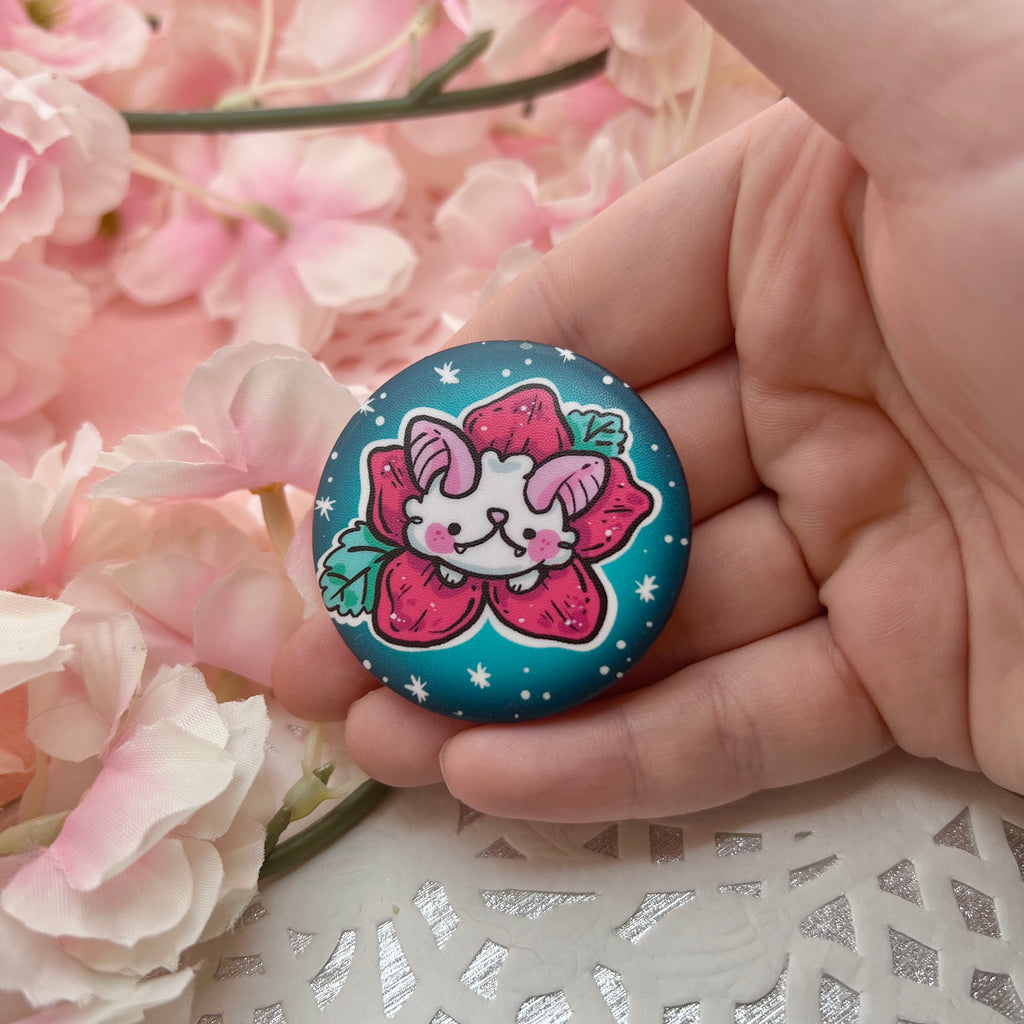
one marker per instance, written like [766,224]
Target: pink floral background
[186,323]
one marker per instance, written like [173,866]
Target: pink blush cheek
[543,546]
[439,540]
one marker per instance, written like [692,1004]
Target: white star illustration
[447,374]
[567,354]
[325,506]
[415,687]
[366,407]
[479,676]
[646,589]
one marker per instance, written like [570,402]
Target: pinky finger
[785,709]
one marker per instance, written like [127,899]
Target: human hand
[831,328]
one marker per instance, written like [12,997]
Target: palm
[856,487]
[852,383]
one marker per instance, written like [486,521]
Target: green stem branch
[425,99]
[318,836]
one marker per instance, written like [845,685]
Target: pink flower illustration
[439,547]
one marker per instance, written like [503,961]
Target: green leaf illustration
[349,576]
[598,430]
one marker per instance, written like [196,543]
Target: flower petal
[248,725]
[568,604]
[151,895]
[160,951]
[243,620]
[609,523]
[390,488]
[346,264]
[287,412]
[416,608]
[175,260]
[150,783]
[30,637]
[526,420]
[349,175]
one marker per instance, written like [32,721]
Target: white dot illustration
[621,644]
[606,380]
[648,624]
[604,670]
[366,664]
[379,421]
[671,483]
[330,479]
[526,668]
[334,455]
[525,694]
[654,447]
[546,695]
[383,394]
[528,362]
[669,538]
[506,373]
[684,541]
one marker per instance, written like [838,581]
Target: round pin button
[501,531]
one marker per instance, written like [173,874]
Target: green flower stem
[318,836]
[425,99]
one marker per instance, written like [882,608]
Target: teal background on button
[524,681]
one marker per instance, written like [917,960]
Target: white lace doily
[890,893]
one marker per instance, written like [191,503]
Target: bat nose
[497,515]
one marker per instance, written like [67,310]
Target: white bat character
[493,517]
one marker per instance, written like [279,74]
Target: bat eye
[455,529]
[529,533]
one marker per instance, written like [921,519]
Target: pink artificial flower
[163,838]
[41,309]
[657,48]
[198,51]
[369,347]
[363,50]
[30,645]
[329,37]
[201,590]
[415,606]
[63,157]
[311,241]
[75,38]
[501,204]
[94,262]
[262,415]
[531,36]
[42,514]
[30,642]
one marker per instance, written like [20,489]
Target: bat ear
[434,447]
[574,479]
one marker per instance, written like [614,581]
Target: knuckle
[736,738]
[562,316]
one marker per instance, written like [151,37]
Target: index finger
[914,88]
